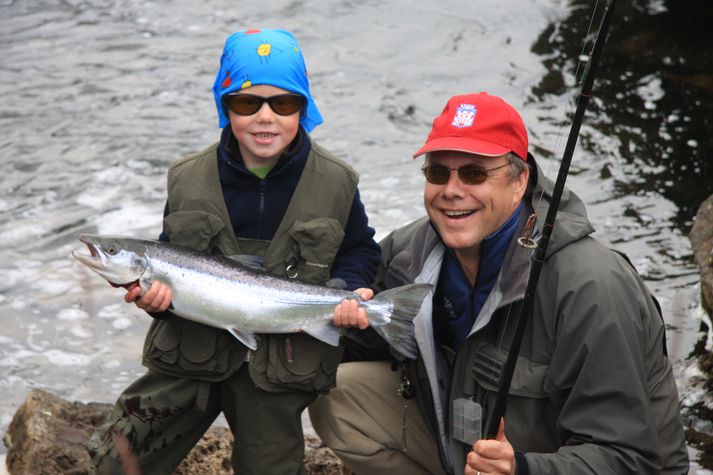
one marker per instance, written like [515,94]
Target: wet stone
[702,242]
[48,436]
[698,411]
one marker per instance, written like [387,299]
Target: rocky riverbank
[697,405]
[48,436]
[702,243]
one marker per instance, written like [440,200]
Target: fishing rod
[539,257]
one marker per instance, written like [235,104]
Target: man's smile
[459,213]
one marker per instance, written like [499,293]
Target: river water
[98,98]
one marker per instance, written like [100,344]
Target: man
[593,390]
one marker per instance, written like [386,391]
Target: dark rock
[48,436]
[701,237]
[320,460]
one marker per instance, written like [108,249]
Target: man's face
[464,214]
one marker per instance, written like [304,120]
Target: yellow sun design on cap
[246,84]
[264,51]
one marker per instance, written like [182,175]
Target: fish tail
[398,329]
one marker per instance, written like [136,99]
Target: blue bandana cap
[271,57]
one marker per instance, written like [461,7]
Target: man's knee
[330,420]
[344,418]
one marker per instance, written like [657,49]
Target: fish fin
[327,333]
[246,338]
[336,283]
[251,261]
[399,331]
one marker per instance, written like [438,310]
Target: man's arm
[598,373]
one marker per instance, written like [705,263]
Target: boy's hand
[155,300]
[349,313]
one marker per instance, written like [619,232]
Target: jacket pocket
[194,229]
[531,410]
[315,245]
[295,362]
[528,379]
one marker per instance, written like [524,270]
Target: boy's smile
[264,136]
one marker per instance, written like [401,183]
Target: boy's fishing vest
[303,247]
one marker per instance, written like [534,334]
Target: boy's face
[264,135]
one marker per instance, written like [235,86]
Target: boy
[264,190]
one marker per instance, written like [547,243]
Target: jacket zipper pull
[406,391]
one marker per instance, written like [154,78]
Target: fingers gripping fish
[219,292]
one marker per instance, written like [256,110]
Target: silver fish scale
[219,292]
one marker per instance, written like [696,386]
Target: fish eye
[111,250]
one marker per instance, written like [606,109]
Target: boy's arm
[359,255]
[164,236]
[357,261]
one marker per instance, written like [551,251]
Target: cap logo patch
[465,114]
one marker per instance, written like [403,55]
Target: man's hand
[492,456]
[349,313]
[155,300]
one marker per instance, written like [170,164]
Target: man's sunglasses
[248,104]
[469,174]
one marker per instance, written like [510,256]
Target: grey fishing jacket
[593,391]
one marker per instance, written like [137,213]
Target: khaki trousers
[362,421]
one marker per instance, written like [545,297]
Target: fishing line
[568,111]
[537,260]
[566,118]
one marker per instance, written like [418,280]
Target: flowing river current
[98,98]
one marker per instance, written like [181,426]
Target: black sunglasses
[469,174]
[248,104]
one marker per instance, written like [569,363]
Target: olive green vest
[303,247]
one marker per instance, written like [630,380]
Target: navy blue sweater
[257,205]
[462,301]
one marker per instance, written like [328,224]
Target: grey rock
[48,436]
[701,237]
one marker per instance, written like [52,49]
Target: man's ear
[521,185]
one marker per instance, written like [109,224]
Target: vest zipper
[261,209]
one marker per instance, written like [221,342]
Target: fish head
[120,260]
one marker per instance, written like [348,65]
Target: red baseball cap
[477,123]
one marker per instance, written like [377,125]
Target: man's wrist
[521,465]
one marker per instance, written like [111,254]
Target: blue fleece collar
[462,303]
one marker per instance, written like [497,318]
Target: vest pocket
[198,344]
[315,244]
[294,362]
[191,350]
[194,229]
[162,341]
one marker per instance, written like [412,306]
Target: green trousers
[162,418]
